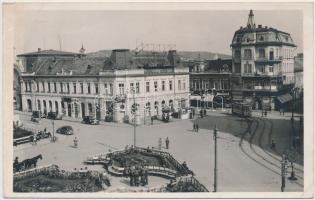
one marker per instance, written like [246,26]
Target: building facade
[209,79]
[298,71]
[262,64]
[100,87]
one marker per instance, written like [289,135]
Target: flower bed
[51,179]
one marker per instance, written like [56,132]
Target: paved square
[239,169]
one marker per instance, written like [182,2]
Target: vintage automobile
[54,115]
[65,130]
[90,120]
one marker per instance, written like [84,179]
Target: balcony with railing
[268,60]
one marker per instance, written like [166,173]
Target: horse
[29,163]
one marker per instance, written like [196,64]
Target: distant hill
[193,55]
[189,55]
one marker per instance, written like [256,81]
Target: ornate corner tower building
[262,64]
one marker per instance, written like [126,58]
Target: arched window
[38,105]
[50,106]
[170,103]
[56,107]
[29,105]
[163,103]
[90,108]
[45,106]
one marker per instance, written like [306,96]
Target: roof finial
[251,21]
[82,50]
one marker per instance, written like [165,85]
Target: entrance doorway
[69,109]
[83,110]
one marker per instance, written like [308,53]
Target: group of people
[138,175]
[195,127]
[167,143]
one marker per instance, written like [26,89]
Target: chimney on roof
[259,26]
[121,58]
[173,57]
[39,50]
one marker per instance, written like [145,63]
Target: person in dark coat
[194,127]
[265,113]
[167,143]
[151,120]
[146,176]
[197,127]
[201,113]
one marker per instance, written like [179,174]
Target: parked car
[65,130]
[54,115]
[90,120]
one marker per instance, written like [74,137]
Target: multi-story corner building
[208,79]
[263,62]
[298,71]
[78,85]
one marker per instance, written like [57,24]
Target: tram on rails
[242,109]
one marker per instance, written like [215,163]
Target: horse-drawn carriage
[26,164]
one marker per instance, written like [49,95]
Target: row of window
[209,84]
[273,53]
[64,88]
[248,68]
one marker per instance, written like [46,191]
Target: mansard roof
[49,52]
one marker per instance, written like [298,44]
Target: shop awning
[284,98]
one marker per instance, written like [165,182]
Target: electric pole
[135,117]
[215,158]
[283,172]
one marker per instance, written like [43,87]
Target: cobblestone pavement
[240,168]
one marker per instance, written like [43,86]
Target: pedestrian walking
[167,143]
[34,140]
[265,113]
[75,142]
[194,127]
[160,143]
[151,120]
[197,127]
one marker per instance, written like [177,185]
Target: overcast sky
[189,30]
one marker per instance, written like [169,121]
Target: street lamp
[212,98]
[215,132]
[134,110]
[284,163]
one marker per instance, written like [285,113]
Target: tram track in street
[250,124]
[270,133]
[261,133]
